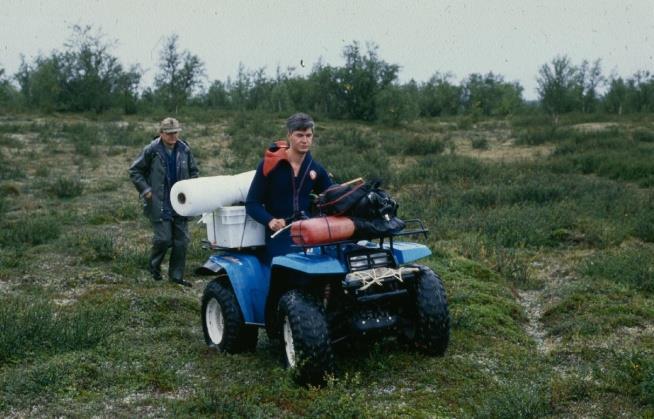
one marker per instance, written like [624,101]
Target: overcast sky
[512,38]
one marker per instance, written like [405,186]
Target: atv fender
[404,252]
[311,263]
[249,279]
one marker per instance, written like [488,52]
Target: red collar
[274,155]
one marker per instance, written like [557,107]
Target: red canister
[322,230]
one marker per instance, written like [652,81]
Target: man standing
[283,181]
[166,160]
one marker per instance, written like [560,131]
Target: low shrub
[349,140]
[466,122]
[629,373]
[83,137]
[633,266]
[130,260]
[126,135]
[542,135]
[108,214]
[8,142]
[346,165]
[33,325]
[510,266]
[213,402]
[608,154]
[538,190]
[516,400]
[30,231]
[530,120]
[643,135]
[66,187]
[451,169]
[97,246]
[479,143]
[9,171]
[644,226]
[42,171]
[420,146]
[521,225]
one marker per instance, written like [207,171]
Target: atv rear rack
[420,229]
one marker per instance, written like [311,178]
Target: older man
[283,181]
[166,160]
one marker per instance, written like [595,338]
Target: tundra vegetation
[544,238]
[541,221]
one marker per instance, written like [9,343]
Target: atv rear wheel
[305,342]
[430,331]
[222,321]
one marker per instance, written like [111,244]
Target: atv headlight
[370,260]
[359,262]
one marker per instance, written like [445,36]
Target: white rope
[377,275]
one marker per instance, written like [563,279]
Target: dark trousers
[174,234]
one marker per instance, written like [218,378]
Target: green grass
[85,331]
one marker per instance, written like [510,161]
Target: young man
[284,179]
[163,162]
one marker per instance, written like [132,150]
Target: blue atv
[318,296]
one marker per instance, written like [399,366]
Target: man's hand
[148,195]
[277,224]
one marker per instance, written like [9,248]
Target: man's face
[169,138]
[301,140]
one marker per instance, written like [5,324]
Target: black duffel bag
[372,209]
[339,199]
[376,227]
[375,204]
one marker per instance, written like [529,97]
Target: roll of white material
[196,196]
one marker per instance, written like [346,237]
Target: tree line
[84,76]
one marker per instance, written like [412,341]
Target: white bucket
[230,227]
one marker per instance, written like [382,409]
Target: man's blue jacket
[280,194]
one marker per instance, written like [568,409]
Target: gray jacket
[148,173]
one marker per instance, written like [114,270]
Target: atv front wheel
[430,331]
[222,321]
[306,346]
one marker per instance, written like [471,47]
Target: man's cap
[169,125]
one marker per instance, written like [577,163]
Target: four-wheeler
[315,297]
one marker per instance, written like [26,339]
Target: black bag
[375,204]
[377,227]
[340,198]
[373,210]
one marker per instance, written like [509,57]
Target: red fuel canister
[322,230]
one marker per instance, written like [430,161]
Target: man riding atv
[283,181]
